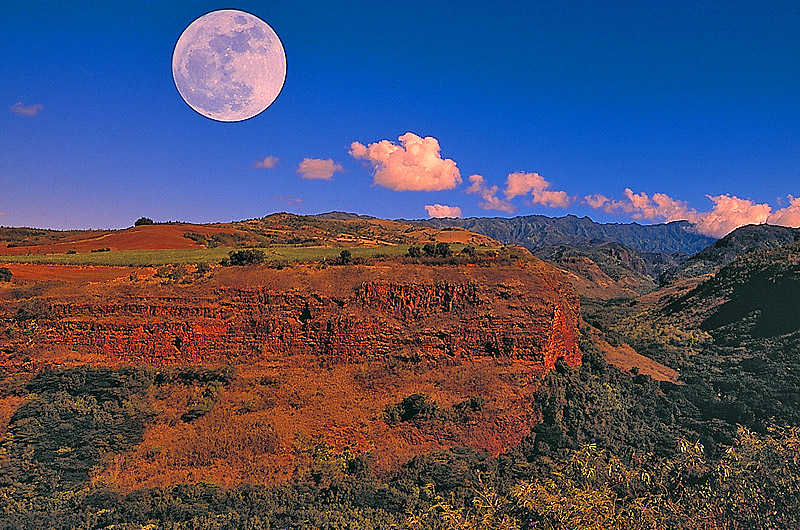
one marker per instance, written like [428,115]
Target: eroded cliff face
[525,312]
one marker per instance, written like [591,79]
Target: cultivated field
[147,258]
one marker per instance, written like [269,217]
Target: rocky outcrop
[526,313]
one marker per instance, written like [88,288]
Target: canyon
[524,312]
[319,353]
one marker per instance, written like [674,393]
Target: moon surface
[229,65]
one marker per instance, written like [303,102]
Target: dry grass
[267,421]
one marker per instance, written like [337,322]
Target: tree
[429,249]
[443,249]
[144,221]
[413,407]
[5,274]
[345,257]
[248,256]
[414,252]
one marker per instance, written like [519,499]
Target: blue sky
[691,106]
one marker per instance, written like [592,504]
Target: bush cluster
[248,256]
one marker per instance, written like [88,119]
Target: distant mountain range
[538,231]
[616,259]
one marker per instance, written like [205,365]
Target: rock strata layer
[523,312]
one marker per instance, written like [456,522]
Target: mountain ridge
[536,231]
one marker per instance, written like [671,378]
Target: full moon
[229,65]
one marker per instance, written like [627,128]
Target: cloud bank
[26,110]
[728,213]
[269,162]
[517,184]
[413,165]
[441,210]
[317,169]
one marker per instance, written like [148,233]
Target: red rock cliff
[525,312]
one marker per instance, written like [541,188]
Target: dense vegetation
[612,450]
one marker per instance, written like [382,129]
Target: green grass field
[145,258]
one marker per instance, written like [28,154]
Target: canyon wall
[524,312]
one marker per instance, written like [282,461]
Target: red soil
[72,273]
[146,237]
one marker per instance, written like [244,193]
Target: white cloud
[317,169]
[596,200]
[26,110]
[414,165]
[287,199]
[788,216]
[520,183]
[441,210]
[490,200]
[728,213]
[517,184]
[269,162]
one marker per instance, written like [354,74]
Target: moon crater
[229,65]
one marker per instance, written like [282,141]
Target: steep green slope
[740,241]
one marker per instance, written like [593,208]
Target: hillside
[752,296]
[391,391]
[537,231]
[738,242]
[606,269]
[318,351]
[276,229]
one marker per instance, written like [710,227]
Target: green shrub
[413,407]
[345,257]
[248,256]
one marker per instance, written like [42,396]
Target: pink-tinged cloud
[269,162]
[660,207]
[728,213]
[287,199]
[413,165]
[441,210]
[490,200]
[596,200]
[518,184]
[317,169]
[26,110]
[789,216]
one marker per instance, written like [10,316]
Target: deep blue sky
[685,98]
